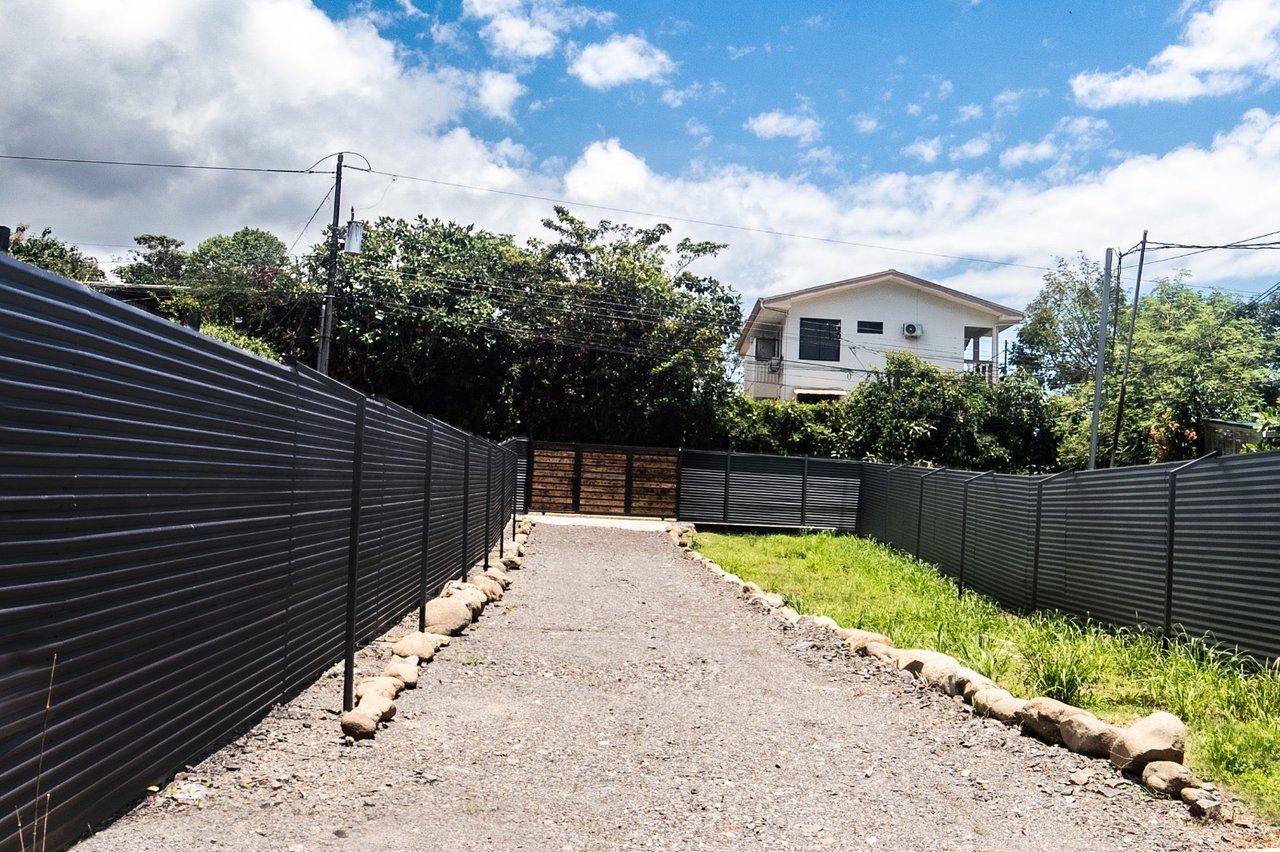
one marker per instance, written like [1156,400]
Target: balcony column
[994,376]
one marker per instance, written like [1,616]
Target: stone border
[452,611]
[1152,747]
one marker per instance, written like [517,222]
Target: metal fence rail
[177,523]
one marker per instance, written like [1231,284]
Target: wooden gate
[602,480]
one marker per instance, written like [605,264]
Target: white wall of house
[941,343]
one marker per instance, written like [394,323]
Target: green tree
[53,255]
[243,282]
[153,274]
[1058,341]
[912,411]
[1195,356]
[624,342]
[161,262]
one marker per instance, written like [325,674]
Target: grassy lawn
[1231,705]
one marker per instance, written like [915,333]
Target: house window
[869,327]
[766,348]
[819,339]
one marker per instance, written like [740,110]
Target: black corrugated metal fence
[178,524]
[1183,545]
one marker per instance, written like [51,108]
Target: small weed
[472,660]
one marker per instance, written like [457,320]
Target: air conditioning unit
[912,329]
[775,365]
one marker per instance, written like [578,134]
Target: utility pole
[1128,350]
[326,320]
[1097,373]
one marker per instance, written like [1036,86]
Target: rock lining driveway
[620,698]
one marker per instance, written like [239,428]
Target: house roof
[1002,315]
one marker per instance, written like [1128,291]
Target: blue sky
[966,141]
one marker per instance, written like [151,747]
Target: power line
[147,165]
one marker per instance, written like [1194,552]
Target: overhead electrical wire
[147,165]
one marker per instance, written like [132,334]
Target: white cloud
[1028,152]
[945,88]
[446,34]
[1010,101]
[528,29]
[1072,135]
[825,158]
[968,112]
[1224,49]
[621,59]
[802,126]
[497,92]
[700,131]
[865,123]
[411,10]
[739,52]
[924,150]
[191,82]
[676,98]
[914,109]
[978,146]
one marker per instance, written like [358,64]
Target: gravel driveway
[621,698]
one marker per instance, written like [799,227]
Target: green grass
[1230,703]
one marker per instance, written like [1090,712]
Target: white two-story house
[816,344]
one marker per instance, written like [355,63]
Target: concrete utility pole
[326,321]
[1102,352]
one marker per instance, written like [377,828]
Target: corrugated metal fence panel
[520,448]
[144,535]
[943,519]
[1051,573]
[903,512]
[445,558]
[1116,544]
[765,490]
[873,511]
[400,489]
[1000,538]
[701,487]
[1227,551]
[325,430]
[477,504]
[832,494]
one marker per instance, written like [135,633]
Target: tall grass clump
[1231,703]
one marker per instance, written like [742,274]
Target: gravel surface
[620,697]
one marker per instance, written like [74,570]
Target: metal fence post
[728,472]
[964,526]
[488,501]
[679,473]
[353,556]
[466,506]
[920,506]
[426,527]
[804,493]
[513,471]
[1035,547]
[1170,525]
[888,499]
[528,479]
